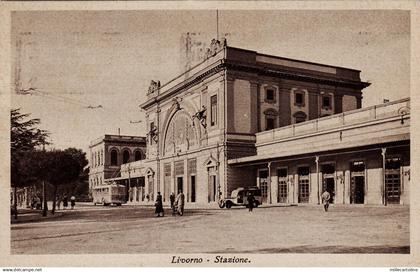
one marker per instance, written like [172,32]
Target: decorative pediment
[150,172]
[210,162]
[271,112]
[300,114]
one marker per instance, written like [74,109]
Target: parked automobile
[238,197]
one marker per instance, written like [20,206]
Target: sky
[78,60]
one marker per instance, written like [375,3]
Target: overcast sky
[88,58]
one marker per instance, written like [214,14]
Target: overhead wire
[63,99]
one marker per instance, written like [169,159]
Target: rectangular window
[263,175]
[282,185]
[213,110]
[393,180]
[269,123]
[179,168]
[269,94]
[299,99]
[303,175]
[326,102]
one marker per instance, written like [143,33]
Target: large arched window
[126,156]
[180,134]
[137,155]
[114,157]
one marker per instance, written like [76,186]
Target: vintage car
[239,197]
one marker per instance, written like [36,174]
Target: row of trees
[31,163]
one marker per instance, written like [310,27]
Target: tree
[25,138]
[64,167]
[24,135]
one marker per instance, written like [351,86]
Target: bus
[109,194]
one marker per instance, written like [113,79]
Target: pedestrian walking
[180,202]
[65,202]
[58,200]
[72,202]
[326,199]
[159,205]
[250,199]
[172,200]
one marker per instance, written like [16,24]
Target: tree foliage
[25,138]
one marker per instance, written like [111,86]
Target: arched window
[114,157]
[137,155]
[270,119]
[126,156]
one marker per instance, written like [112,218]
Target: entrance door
[151,189]
[282,185]
[303,175]
[328,180]
[359,190]
[357,186]
[212,188]
[180,184]
[167,181]
[263,176]
[192,188]
[393,180]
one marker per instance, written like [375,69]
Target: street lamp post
[44,198]
[384,193]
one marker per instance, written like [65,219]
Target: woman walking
[159,205]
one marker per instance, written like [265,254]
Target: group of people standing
[177,204]
[65,200]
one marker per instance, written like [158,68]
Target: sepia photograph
[210,131]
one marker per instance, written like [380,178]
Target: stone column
[317,178]
[384,200]
[269,183]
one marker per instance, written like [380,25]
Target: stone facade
[211,114]
[360,157]
[108,153]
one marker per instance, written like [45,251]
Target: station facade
[241,118]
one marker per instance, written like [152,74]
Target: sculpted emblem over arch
[180,135]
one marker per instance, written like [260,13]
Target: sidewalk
[29,215]
[206,206]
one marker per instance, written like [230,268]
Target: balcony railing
[354,117]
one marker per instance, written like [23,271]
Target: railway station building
[293,128]
[109,152]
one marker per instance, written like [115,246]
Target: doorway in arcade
[357,185]
[213,188]
[136,192]
[328,179]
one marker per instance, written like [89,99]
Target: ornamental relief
[180,135]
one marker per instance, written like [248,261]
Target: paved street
[134,229]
